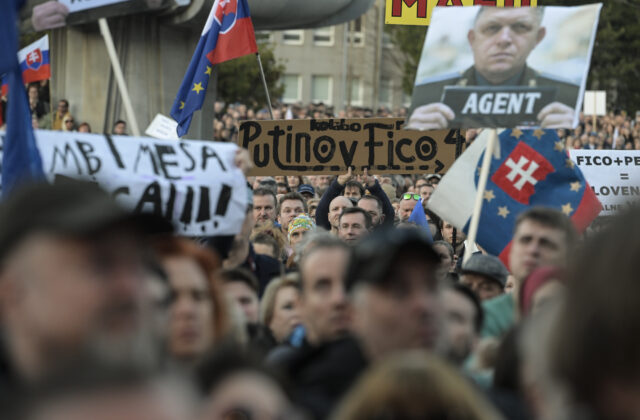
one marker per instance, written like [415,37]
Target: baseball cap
[306,188]
[488,266]
[374,255]
[437,176]
[68,207]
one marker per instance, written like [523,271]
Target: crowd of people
[341,297]
[617,130]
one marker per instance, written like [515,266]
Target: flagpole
[264,83]
[482,183]
[117,71]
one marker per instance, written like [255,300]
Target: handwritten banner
[418,12]
[330,146]
[193,183]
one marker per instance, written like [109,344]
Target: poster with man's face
[504,67]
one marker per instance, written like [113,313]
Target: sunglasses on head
[409,196]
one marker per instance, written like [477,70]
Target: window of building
[292,88]
[321,87]
[264,36]
[323,37]
[293,37]
[386,92]
[356,32]
[356,91]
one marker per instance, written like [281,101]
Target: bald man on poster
[501,40]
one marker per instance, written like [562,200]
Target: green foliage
[615,65]
[409,40]
[239,80]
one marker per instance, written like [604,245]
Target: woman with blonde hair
[198,316]
[279,309]
[414,385]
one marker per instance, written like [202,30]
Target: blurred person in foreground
[280,306]
[198,316]
[92,393]
[414,385]
[73,282]
[391,304]
[595,351]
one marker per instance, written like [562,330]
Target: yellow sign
[418,12]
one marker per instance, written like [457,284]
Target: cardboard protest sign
[614,176]
[504,67]
[330,146]
[193,183]
[418,12]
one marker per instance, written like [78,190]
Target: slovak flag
[34,61]
[529,168]
[228,34]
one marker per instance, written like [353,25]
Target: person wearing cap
[395,293]
[298,228]
[73,282]
[337,188]
[485,275]
[307,191]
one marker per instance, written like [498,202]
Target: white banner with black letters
[614,175]
[193,183]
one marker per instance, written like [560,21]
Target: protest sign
[193,183]
[595,102]
[473,78]
[162,127]
[614,176]
[418,12]
[330,146]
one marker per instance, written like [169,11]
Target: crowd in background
[341,297]
[616,130]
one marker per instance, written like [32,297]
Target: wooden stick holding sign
[482,183]
[117,71]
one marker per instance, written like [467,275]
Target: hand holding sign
[49,15]
[434,116]
[556,115]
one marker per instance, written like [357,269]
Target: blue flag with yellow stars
[528,168]
[227,34]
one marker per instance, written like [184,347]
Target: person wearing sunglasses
[407,202]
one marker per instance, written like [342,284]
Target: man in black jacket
[337,188]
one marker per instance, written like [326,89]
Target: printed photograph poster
[485,67]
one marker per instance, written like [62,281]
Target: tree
[409,41]
[615,66]
[239,80]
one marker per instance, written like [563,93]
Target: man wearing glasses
[407,203]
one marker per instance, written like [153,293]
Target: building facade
[352,64]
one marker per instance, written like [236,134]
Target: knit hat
[301,222]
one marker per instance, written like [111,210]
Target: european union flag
[228,34]
[21,159]
[528,168]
